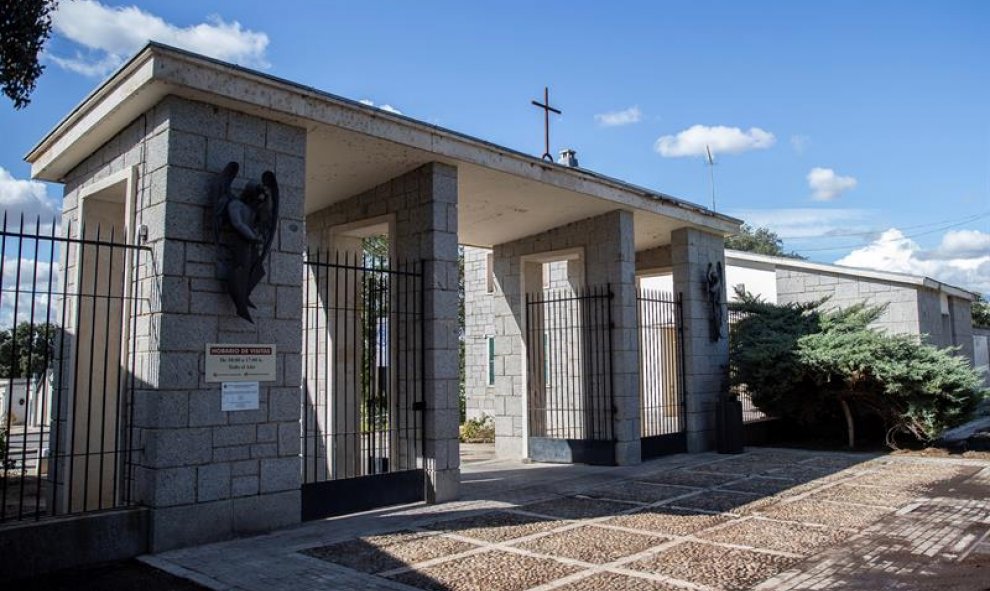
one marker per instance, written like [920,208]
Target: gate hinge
[419,405]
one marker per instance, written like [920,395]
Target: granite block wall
[207,474]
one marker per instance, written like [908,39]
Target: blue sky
[868,120]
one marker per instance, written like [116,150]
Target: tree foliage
[28,351]
[803,363]
[25,26]
[981,312]
[759,241]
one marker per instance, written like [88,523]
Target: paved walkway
[768,519]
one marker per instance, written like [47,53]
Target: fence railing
[67,310]
[661,363]
[569,363]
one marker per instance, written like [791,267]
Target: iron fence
[67,307]
[569,359]
[661,363]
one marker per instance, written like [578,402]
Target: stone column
[706,363]
[208,474]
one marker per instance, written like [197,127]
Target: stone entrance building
[140,154]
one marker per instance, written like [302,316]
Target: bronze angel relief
[244,227]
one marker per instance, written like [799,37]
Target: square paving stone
[689,478]
[806,473]
[715,566]
[608,581]
[775,535]
[374,554]
[578,508]
[723,501]
[902,481]
[639,492]
[497,526]
[742,466]
[668,520]
[598,545]
[763,486]
[825,513]
[487,571]
[837,462]
[865,495]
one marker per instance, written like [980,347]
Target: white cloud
[383,107]
[962,258]
[826,185]
[807,222]
[30,198]
[617,118]
[111,34]
[721,139]
[799,143]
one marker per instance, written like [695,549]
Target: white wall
[759,279]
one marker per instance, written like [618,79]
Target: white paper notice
[239,396]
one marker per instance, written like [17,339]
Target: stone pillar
[208,474]
[607,255]
[421,211]
[706,363]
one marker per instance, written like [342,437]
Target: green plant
[478,430]
[811,366]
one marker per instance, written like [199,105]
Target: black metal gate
[569,375]
[363,408]
[69,303]
[662,419]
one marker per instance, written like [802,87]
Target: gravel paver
[689,478]
[716,566]
[597,545]
[578,508]
[742,467]
[865,495]
[764,486]
[488,571]
[774,535]
[497,526]
[668,520]
[724,501]
[638,492]
[825,513]
[374,554]
[608,581]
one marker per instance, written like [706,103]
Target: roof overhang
[351,147]
[738,256]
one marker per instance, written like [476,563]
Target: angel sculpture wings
[246,225]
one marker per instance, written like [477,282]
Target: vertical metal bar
[47,361]
[89,381]
[13,358]
[28,370]
[108,299]
[60,392]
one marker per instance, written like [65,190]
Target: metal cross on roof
[545,105]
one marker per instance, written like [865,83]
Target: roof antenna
[711,170]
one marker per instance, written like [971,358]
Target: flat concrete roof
[855,272]
[351,147]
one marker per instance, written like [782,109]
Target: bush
[812,366]
[479,430]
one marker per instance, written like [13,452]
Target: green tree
[759,241]
[981,312]
[25,26]
[814,367]
[27,351]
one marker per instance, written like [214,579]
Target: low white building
[914,304]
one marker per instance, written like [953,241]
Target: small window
[490,272]
[491,361]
